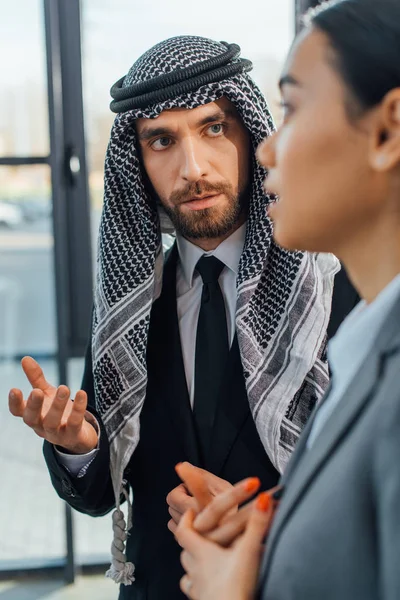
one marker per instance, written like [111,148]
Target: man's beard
[213,222]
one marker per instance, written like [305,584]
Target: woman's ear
[385,147]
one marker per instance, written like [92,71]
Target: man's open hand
[51,413]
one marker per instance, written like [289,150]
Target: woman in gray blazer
[335,163]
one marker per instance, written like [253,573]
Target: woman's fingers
[188,538]
[16,403]
[220,506]
[186,586]
[258,525]
[186,561]
[231,529]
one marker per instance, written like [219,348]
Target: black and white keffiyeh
[283,302]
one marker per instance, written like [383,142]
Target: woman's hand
[214,572]
[220,521]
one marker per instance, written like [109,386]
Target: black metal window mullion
[16,161]
[70,196]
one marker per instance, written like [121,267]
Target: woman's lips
[201,203]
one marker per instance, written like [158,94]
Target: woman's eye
[216,129]
[287,109]
[161,143]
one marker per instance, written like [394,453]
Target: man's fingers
[180,500]
[172,526]
[77,415]
[176,516]
[53,418]
[33,411]
[211,516]
[34,374]
[196,481]
[16,403]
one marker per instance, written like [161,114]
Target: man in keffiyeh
[214,355]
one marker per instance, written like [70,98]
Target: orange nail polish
[252,484]
[263,502]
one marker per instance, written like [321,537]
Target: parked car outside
[11,216]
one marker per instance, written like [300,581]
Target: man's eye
[216,129]
[161,143]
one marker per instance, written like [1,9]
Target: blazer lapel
[306,464]
[232,412]
[176,391]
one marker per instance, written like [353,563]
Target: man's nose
[194,165]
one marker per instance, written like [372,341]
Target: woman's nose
[266,152]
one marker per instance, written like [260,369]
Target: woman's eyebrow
[288,80]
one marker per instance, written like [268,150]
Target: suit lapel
[232,412]
[306,464]
[172,369]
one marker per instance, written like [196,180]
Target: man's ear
[385,144]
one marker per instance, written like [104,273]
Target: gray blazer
[336,535]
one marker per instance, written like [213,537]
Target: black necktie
[212,349]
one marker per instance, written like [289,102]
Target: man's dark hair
[365,37]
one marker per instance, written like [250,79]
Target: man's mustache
[199,188]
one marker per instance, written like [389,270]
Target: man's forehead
[177,114]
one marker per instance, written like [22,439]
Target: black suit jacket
[168,437]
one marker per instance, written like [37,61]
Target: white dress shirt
[189,286]
[349,348]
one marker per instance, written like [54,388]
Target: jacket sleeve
[91,493]
[387,489]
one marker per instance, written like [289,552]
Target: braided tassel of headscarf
[121,571]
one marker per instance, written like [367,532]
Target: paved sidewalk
[85,588]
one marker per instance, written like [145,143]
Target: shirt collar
[228,252]
[356,335]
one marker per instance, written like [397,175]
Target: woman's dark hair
[365,37]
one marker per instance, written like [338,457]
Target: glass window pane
[23,88]
[92,536]
[27,326]
[26,261]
